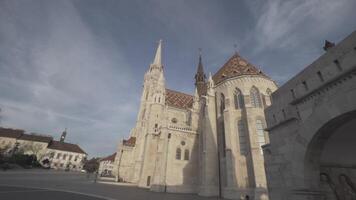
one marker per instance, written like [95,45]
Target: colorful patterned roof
[130,142]
[178,99]
[236,66]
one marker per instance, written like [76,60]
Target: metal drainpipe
[165,173]
[217,137]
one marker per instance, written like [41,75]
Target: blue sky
[80,64]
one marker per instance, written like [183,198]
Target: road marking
[15,191]
[59,190]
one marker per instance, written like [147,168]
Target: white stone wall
[62,159]
[303,120]
[243,172]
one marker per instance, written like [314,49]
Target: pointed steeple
[63,136]
[200,77]
[158,57]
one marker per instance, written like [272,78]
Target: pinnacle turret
[200,77]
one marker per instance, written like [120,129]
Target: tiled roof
[37,138]
[63,146]
[109,158]
[11,133]
[178,99]
[130,142]
[236,66]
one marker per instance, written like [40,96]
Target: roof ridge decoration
[236,66]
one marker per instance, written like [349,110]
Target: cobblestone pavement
[59,185]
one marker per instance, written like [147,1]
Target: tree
[91,165]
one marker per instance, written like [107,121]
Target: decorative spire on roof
[158,58]
[200,77]
[210,85]
[328,45]
[63,136]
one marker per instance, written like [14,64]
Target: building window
[178,154]
[74,166]
[320,76]
[148,180]
[58,155]
[70,157]
[222,103]
[64,156]
[76,158]
[305,85]
[337,63]
[239,99]
[255,98]
[186,154]
[61,165]
[242,137]
[223,138]
[293,93]
[260,134]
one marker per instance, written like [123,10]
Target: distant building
[49,152]
[106,165]
[311,125]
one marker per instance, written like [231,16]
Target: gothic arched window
[260,133]
[239,99]
[222,103]
[242,137]
[255,97]
[186,154]
[178,153]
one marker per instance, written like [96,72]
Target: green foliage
[91,165]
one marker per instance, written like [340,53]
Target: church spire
[200,77]
[63,136]
[158,57]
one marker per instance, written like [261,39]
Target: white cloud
[70,77]
[284,24]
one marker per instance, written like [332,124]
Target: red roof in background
[36,138]
[109,158]
[11,133]
[130,142]
[63,146]
[236,66]
[178,99]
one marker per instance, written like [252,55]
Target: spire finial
[158,56]
[235,48]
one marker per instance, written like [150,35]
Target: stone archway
[330,160]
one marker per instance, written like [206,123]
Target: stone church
[208,143]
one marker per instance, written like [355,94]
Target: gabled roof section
[63,146]
[109,158]
[236,66]
[130,142]
[11,133]
[178,99]
[36,138]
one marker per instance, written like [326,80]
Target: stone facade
[106,166]
[209,143]
[311,125]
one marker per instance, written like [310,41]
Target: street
[59,185]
